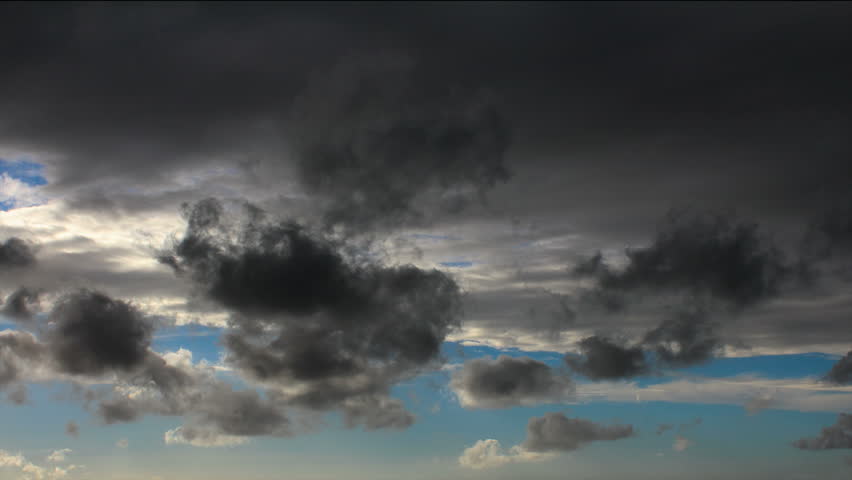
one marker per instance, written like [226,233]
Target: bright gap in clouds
[19,183]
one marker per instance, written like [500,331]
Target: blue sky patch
[30,173]
[459,264]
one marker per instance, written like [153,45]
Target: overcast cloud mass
[370,240]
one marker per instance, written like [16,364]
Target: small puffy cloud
[58,456]
[122,443]
[201,437]
[556,432]
[546,437]
[681,444]
[94,333]
[72,429]
[29,470]
[508,382]
[489,453]
[606,359]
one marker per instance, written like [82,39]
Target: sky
[452,241]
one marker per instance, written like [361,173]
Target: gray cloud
[93,333]
[841,372]
[838,435]
[22,304]
[18,350]
[699,254]
[307,313]
[373,138]
[688,338]
[556,432]
[16,253]
[72,429]
[604,359]
[507,382]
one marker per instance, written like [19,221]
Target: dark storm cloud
[306,312]
[508,382]
[830,234]
[699,254]
[604,359]
[148,90]
[841,372]
[687,338]
[93,333]
[373,140]
[16,253]
[21,304]
[838,435]
[556,432]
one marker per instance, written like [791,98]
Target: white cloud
[122,443]
[490,454]
[201,438]
[30,470]
[58,456]
[18,194]
[681,444]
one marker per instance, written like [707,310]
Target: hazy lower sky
[425,241]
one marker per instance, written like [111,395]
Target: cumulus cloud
[18,352]
[201,437]
[93,333]
[16,253]
[688,337]
[604,359]
[122,443]
[841,372]
[58,456]
[546,437]
[374,141]
[712,256]
[556,432]
[21,304]
[328,329]
[507,382]
[681,443]
[29,470]
[838,435]
[485,454]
